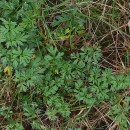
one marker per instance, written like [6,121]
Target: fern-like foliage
[11,34]
[34,76]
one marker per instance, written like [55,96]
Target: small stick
[72,2]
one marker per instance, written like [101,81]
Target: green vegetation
[64,65]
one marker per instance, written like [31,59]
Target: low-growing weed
[45,87]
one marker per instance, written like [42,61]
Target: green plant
[84,79]
[14,126]
[68,24]
[19,63]
[6,112]
[48,87]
